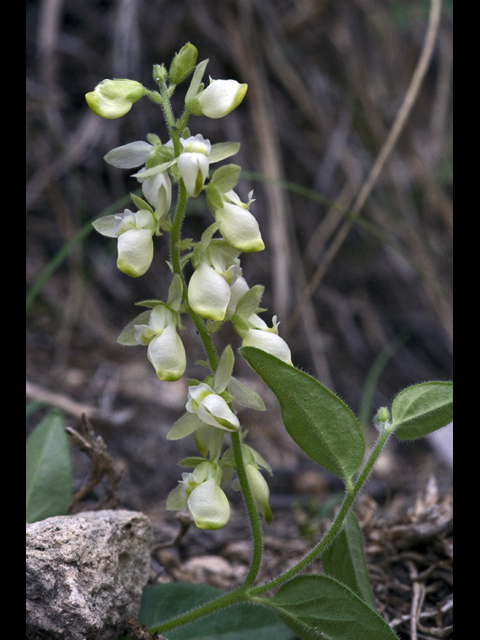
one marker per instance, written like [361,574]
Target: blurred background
[326,80]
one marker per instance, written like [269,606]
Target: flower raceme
[216,290]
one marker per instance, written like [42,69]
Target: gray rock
[85,574]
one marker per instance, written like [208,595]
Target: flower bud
[260,491]
[219,98]
[114,98]
[160,73]
[183,64]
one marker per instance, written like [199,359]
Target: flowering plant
[313,606]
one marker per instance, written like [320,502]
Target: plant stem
[204,610]
[251,510]
[329,537]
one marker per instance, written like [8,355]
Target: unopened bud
[183,64]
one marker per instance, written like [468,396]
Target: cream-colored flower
[114,98]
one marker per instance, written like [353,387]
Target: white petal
[269,342]
[135,252]
[215,411]
[239,228]
[151,186]
[208,293]
[221,97]
[193,168]
[106,226]
[209,506]
[167,355]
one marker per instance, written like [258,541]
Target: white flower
[193,163]
[135,245]
[136,154]
[220,98]
[209,289]
[167,354]
[209,506]
[165,347]
[267,339]
[237,225]
[211,408]
[201,493]
[208,293]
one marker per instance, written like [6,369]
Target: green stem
[251,510]
[329,537]
[204,610]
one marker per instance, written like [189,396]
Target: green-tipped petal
[221,97]
[135,252]
[167,355]
[114,98]
[209,506]
[208,293]
[239,228]
[269,342]
[215,411]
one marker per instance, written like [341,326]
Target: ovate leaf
[318,607]
[319,422]
[421,409]
[161,602]
[48,469]
[345,560]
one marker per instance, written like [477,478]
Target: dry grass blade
[386,151]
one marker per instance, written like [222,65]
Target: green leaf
[319,607]
[127,337]
[245,396]
[184,426]
[345,560]
[161,602]
[222,150]
[48,469]
[141,203]
[421,409]
[224,370]
[226,178]
[317,420]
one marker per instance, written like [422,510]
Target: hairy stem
[329,537]
[251,510]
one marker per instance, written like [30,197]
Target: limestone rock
[85,574]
